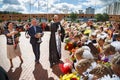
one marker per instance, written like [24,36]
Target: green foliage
[29,19]
[98,17]
[19,20]
[102,17]
[77,21]
[73,16]
[106,17]
[8,12]
[49,20]
[39,19]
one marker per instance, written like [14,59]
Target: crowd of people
[94,51]
[94,48]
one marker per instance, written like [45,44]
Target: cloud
[99,5]
[93,3]
[106,2]
[52,6]
[100,10]
[97,2]
[16,2]
[9,7]
[103,3]
[64,8]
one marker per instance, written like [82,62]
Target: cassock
[55,43]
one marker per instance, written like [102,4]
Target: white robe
[58,40]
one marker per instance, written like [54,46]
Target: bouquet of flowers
[67,40]
[16,39]
[65,67]
[69,46]
[18,30]
[18,34]
[104,63]
[71,76]
[72,56]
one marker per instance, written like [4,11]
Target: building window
[91,16]
[82,16]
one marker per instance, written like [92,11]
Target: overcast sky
[53,6]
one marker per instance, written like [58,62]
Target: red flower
[73,79]
[65,68]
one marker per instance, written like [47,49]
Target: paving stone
[29,70]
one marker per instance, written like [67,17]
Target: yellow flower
[70,76]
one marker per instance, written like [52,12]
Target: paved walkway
[29,70]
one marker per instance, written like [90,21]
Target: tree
[19,19]
[29,19]
[73,16]
[39,19]
[78,21]
[99,17]
[49,20]
[102,17]
[8,12]
[106,17]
